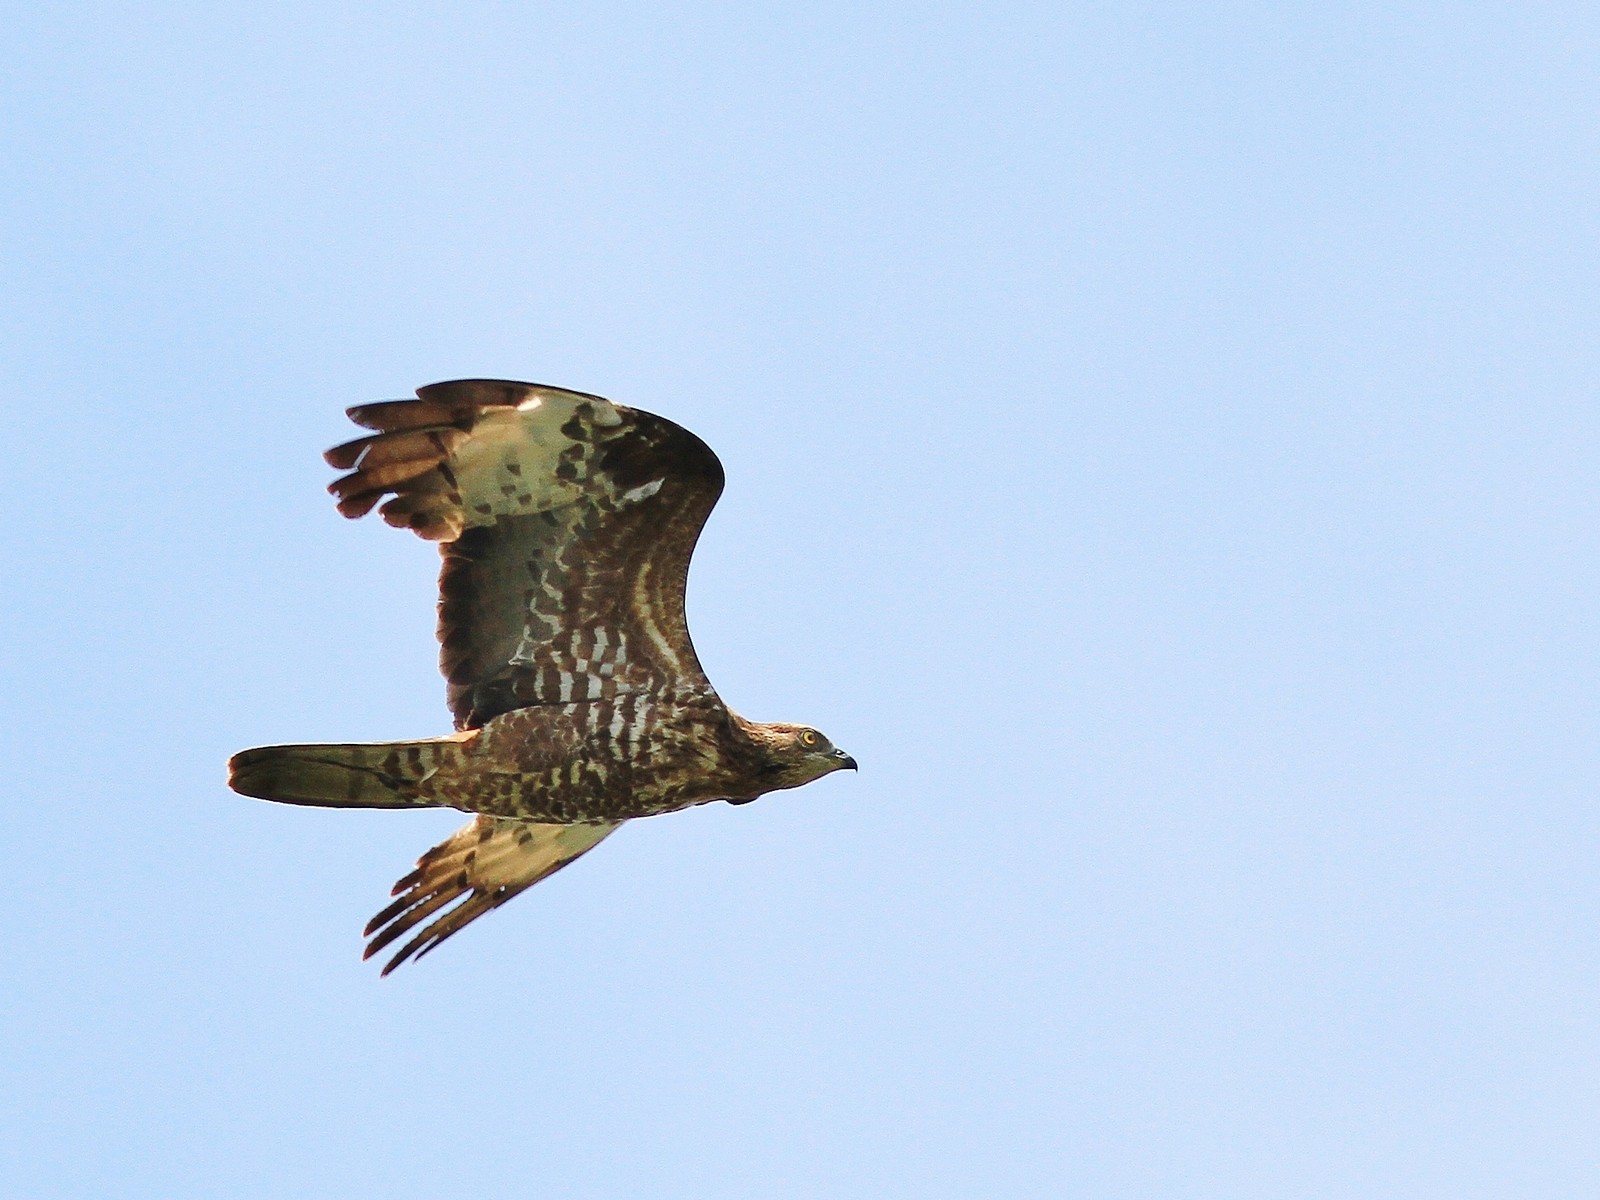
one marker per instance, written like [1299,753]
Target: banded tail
[365,775]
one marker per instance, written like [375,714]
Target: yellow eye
[808,738]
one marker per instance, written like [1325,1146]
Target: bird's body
[566,524]
[584,761]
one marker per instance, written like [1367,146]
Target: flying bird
[565,524]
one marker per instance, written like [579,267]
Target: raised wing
[566,524]
[487,861]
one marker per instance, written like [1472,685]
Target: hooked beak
[846,763]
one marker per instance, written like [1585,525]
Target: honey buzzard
[565,523]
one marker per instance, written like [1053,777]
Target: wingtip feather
[479,868]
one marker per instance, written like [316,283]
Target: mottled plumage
[566,524]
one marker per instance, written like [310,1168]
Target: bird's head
[797,754]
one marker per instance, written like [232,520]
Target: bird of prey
[565,523]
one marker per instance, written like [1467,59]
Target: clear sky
[1161,447]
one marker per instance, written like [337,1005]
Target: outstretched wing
[488,862]
[566,524]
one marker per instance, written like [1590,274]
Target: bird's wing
[487,861]
[566,524]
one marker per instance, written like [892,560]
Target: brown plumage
[566,524]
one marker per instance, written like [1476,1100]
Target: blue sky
[1161,446]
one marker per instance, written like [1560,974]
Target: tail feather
[373,775]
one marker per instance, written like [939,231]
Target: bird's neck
[752,752]
[754,733]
